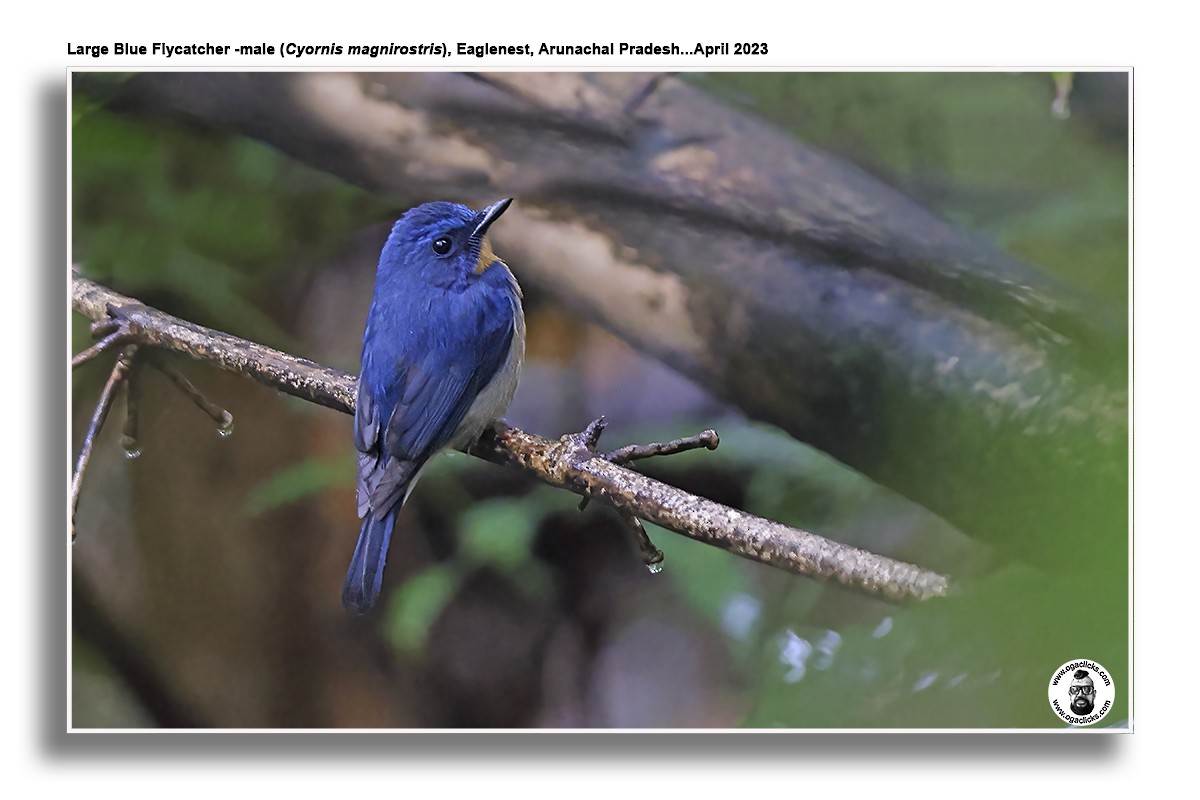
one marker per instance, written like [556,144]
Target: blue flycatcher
[442,351]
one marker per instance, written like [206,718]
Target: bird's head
[442,243]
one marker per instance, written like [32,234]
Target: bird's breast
[493,400]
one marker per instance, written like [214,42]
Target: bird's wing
[407,414]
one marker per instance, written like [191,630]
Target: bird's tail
[365,576]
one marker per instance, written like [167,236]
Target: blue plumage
[442,351]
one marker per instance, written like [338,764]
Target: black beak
[486,217]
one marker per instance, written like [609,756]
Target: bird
[442,351]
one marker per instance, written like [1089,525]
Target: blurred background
[207,573]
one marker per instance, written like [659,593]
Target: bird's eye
[441,245]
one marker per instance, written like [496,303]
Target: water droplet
[130,446]
[883,628]
[225,429]
[655,568]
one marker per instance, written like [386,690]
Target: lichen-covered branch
[570,462]
[295,376]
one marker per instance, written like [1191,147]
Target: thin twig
[103,327]
[129,434]
[219,415]
[634,452]
[644,91]
[652,557]
[589,437]
[591,434]
[115,378]
[105,344]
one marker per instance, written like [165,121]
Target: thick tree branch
[785,281]
[570,463]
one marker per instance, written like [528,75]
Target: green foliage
[816,655]
[986,151]
[223,225]
[417,604]
[100,698]
[980,659]
[982,149]
[219,222]
[497,532]
[300,480]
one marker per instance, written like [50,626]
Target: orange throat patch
[486,257]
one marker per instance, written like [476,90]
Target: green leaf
[298,481]
[498,532]
[417,604]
